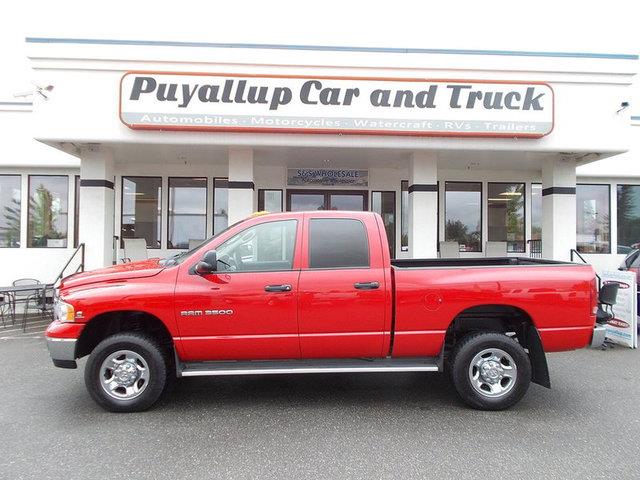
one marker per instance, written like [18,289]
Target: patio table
[11,290]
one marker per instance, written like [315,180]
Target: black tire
[461,370]
[150,352]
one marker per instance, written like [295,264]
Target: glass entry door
[308,200]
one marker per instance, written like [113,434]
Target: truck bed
[431,293]
[473,262]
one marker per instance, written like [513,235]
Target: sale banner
[623,327]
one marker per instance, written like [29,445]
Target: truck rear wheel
[490,371]
[126,372]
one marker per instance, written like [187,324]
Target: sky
[559,25]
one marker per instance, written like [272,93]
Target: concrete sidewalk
[36,325]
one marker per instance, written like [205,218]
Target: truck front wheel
[490,371]
[126,372]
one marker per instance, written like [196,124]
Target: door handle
[277,288]
[367,285]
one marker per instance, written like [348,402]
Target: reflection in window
[220,204]
[270,200]
[10,204]
[141,209]
[592,207]
[536,211]
[404,216]
[384,203]
[463,215]
[628,218]
[506,214]
[264,247]
[187,211]
[48,211]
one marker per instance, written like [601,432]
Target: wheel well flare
[106,324]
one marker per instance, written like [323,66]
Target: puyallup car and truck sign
[343,105]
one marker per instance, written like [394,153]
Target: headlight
[63,312]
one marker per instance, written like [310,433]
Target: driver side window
[262,248]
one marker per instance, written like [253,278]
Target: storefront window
[593,218]
[10,203]
[76,212]
[270,200]
[463,215]
[187,211]
[628,218]
[48,211]
[384,203]
[404,216]
[506,214]
[220,204]
[141,209]
[536,211]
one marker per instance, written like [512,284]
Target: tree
[42,217]
[628,218]
[10,231]
[457,231]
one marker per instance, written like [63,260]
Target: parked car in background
[632,263]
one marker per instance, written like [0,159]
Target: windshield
[180,257]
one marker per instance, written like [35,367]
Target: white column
[96,206]
[423,205]
[558,208]
[241,183]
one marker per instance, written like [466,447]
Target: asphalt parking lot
[372,426]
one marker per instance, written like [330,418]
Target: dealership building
[172,142]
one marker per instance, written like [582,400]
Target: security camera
[623,106]
[41,90]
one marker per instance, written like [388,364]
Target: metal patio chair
[135,249]
[30,298]
[495,249]
[6,308]
[42,301]
[449,250]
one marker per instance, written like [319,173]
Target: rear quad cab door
[342,290]
[247,310]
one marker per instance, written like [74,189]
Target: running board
[274,367]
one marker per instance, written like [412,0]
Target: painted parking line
[23,337]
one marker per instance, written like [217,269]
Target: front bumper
[599,332]
[63,352]
[61,342]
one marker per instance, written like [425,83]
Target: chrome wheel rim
[493,373]
[124,375]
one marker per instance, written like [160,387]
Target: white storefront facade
[171,142]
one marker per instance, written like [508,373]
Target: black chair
[6,303]
[42,300]
[30,298]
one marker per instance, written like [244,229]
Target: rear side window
[337,243]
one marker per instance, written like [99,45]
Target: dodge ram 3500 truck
[317,292]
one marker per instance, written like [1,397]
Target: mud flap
[539,369]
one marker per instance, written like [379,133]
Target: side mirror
[208,264]
[608,293]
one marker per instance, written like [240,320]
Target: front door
[247,309]
[310,200]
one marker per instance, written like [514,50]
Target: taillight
[594,296]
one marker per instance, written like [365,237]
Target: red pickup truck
[317,292]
